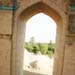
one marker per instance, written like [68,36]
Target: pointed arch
[19,31]
[38,8]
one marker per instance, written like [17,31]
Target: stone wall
[69,59]
[12,35]
[5,41]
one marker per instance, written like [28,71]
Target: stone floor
[31,73]
[37,64]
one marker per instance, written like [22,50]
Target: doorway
[39,45]
[19,35]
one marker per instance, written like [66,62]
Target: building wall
[28,8]
[5,41]
[12,35]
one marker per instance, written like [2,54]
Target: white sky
[41,27]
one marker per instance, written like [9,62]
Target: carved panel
[5,36]
[70,40]
[72,5]
[71,26]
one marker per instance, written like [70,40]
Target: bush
[50,53]
[28,47]
[43,48]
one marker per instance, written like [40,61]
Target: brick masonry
[12,32]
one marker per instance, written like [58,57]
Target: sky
[41,27]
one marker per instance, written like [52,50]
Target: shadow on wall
[30,73]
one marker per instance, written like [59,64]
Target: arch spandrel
[57,5]
[38,8]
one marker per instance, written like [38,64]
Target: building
[13,14]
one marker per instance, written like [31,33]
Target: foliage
[50,53]
[35,49]
[51,46]
[28,46]
[43,48]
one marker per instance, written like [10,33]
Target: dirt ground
[37,64]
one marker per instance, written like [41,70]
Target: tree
[36,49]
[28,46]
[43,48]
[32,41]
[51,46]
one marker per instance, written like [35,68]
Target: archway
[20,19]
[39,44]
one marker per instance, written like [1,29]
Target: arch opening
[39,45]
[21,21]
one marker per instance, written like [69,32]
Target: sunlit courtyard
[39,63]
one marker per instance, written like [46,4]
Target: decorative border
[7,4]
[5,36]
[71,24]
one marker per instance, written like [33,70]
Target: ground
[37,64]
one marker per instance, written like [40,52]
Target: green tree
[36,49]
[43,48]
[28,46]
[50,53]
[51,46]
[32,41]
[32,46]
